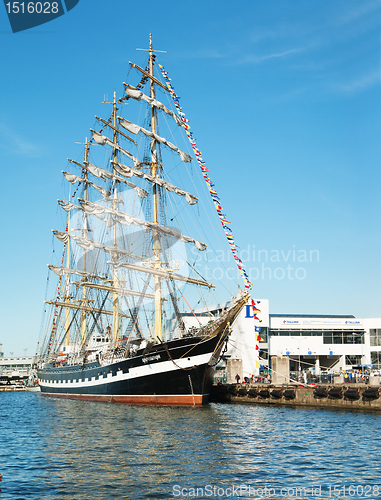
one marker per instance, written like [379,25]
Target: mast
[115,296]
[67,298]
[84,290]
[154,173]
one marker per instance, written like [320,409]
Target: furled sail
[116,130]
[83,308]
[95,209]
[102,140]
[68,205]
[120,291]
[75,178]
[138,95]
[88,244]
[130,171]
[135,129]
[105,174]
[59,271]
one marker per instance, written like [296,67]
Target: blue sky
[284,100]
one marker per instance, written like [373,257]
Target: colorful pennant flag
[225,223]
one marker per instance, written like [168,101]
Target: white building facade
[317,343]
[328,343]
[16,365]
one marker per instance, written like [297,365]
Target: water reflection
[53,449]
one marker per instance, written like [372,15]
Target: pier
[12,388]
[9,382]
[332,396]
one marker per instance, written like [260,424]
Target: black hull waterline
[178,372]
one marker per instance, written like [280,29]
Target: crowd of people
[308,377]
[263,379]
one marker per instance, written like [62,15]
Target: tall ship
[130,260]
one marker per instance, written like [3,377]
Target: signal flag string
[211,187]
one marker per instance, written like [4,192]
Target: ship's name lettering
[151,358]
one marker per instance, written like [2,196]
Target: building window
[376,359]
[327,337]
[296,333]
[353,337]
[343,337]
[353,360]
[375,337]
[264,354]
[337,338]
[263,334]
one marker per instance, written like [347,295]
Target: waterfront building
[316,343]
[15,365]
[373,326]
[329,343]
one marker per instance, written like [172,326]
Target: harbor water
[75,450]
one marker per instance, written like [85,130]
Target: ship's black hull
[178,372]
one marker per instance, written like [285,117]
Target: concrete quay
[12,388]
[337,396]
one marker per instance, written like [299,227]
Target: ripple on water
[52,449]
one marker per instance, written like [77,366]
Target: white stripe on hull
[133,373]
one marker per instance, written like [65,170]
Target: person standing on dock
[237,377]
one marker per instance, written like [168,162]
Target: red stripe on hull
[178,400]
